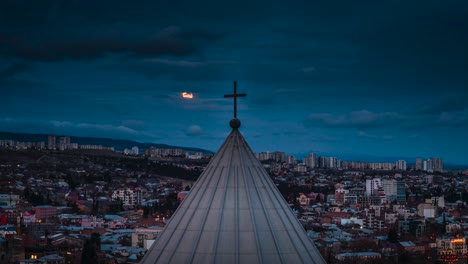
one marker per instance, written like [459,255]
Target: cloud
[173,41]
[308,69]
[448,105]
[365,119]
[134,124]
[355,119]
[366,135]
[100,128]
[187,63]
[13,76]
[194,130]
[455,119]
[103,130]
[14,69]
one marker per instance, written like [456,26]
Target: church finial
[235,123]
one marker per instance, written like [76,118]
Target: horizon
[369,78]
[355,157]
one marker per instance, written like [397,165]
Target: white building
[135,150]
[352,221]
[129,197]
[310,160]
[427,165]
[64,143]
[145,236]
[373,186]
[401,165]
[196,155]
[291,159]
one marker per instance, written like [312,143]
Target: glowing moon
[187,95]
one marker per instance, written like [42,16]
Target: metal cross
[235,95]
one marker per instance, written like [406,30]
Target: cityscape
[251,132]
[55,195]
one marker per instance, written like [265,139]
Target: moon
[187,95]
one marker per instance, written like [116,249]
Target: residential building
[419,164]
[451,246]
[310,160]
[291,159]
[127,196]
[437,164]
[401,165]
[51,142]
[390,189]
[64,143]
[44,212]
[373,186]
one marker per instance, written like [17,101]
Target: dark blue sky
[382,78]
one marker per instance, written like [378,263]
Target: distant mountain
[118,144]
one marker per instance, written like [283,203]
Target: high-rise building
[419,164]
[291,159]
[64,143]
[278,156]
[328,162]
[427,165]
[401,191]
[51,142]
[390,189]
[310,160]
[437,164]
[334,163]
[401,165]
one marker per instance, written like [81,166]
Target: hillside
[118,144]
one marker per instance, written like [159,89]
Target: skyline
[380,79]
[33,141]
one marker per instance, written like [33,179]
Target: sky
[378,78]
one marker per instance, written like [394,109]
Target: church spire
[235,123]
[234,214]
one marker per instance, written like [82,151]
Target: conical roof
[233,214]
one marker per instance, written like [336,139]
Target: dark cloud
[14,69]
[78,129]
[356,119]
[14,80]
[453,105]
[96,63]
[366,119]
[170,41]
[134,124]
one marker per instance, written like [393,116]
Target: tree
[392,235]
[145,211]
[89,255]
[91,246]
[318,199]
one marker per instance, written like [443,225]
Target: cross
[235,95]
